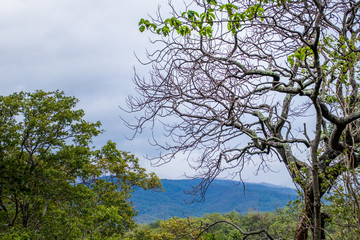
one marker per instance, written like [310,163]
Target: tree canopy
[53,183]
[258,81]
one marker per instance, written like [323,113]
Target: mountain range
[222,196]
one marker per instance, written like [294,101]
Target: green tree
[53,183]
[258,81]
[173,228]
[213,226]
[178,228]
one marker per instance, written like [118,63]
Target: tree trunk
[316,202]
[306,221]
[302,229]
[324,217]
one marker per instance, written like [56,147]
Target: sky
[86,48]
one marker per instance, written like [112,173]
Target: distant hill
[222,196]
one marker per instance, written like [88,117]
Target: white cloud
[84,47]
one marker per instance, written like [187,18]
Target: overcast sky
[86,48]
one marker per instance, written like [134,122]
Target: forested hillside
[223,196]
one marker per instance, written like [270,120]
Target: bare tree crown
[259,79]
[237,76]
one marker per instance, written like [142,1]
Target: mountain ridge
[222,196]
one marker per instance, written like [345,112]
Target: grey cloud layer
[84,47]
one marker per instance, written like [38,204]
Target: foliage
[173,228]
[190,228]
[286,220]
[344,209]
[255,82]
[281,224]
[53,184]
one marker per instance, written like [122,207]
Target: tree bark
[302,229]
[307,220]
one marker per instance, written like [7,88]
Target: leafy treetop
[53,183]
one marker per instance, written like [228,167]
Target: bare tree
[258,80]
